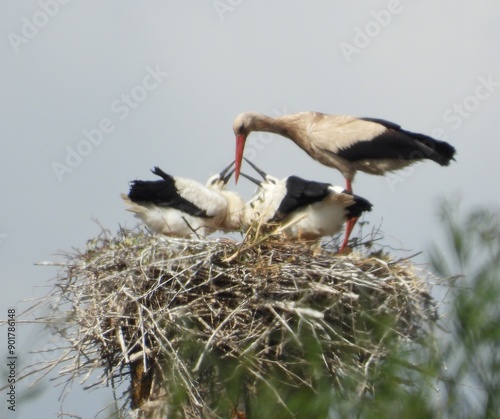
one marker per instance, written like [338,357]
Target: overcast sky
[94,94]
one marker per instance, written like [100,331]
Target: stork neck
[268,124]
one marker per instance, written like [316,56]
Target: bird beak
[228,176]
[224,171]
[251,179]
[240,146]
[259,171]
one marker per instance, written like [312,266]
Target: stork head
[243,124]
[266,200]
[219,181]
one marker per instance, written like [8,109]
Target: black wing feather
[300,193]
[396,143]
[163,193]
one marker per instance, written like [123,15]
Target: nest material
[181,319]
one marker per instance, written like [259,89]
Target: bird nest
[206,327]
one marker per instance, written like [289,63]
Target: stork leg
[348,185]
[350,223]
[348,230]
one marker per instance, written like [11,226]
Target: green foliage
[471,350]
[455,371]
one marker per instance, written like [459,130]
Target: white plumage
[345,142]
[175,206]
[304,209]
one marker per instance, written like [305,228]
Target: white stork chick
[175,206]
[346,143]
[305,209]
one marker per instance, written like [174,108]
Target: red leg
[350,223]
[348,230]
[348,185]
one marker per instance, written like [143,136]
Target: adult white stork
[305,209]
[346,143]
[175,206]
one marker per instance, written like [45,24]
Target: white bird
[346,143]
[175,206]
[304,209]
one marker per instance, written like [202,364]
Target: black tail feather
[439,151]
[396,143]
[359,207]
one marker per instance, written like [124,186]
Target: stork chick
[305,209]
[179,207]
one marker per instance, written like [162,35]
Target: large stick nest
[181,320]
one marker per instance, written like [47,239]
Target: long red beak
[240,146]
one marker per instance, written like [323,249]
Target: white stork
[346,143]
[180,207]
[305,209]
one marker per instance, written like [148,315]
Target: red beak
[240,146]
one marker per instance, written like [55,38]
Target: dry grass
[207,326]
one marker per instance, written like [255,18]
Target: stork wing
[332,133]
[184,195]
[300,193]
[370,138]
[439,151]
[213,203]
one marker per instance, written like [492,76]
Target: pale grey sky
[94,94]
